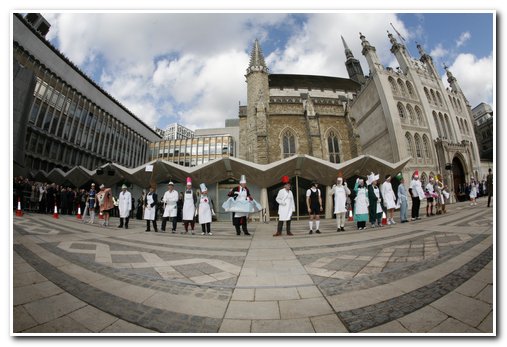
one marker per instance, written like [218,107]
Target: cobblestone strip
[160,320]
[371,316]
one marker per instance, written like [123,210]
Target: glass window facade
[194,151]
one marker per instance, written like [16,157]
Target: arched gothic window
[401,110]
[333,147]
[420,118]
[427,94]
[410,89]
[394,88]
[289,144]
[427,150]
[402,87]
[411,114]
[418,148]
[410,146]
[435,119]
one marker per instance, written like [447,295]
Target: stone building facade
[288,115]
[408,112]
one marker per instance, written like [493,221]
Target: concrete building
[62,118]
[407,112]
[484,130]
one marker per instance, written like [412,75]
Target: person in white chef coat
[340,192]
[170,201]
[124,206]
[189,203]
[150,211]
[205,210]
[286,206]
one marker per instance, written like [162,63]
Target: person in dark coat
[375,201]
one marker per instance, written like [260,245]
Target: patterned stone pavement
[430,276]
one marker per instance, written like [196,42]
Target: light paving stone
[22,319]
[26,294]
[294,280]
[58,326]
[344,275]
[92,318]
[27,278]
[328,324]
[241,294]
[487,324]
[47,309]
[359,298]
[467,310]
[235,326]
[486,295]
[453,326]
[253,310]
[20,268]
[188,305]
[309,292]
[393,327]
[290,309]
[471,287]
[273,294]
[423,320]
[123,327]
[282,326]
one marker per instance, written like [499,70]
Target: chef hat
[170,183]
[285,179]
[203,187]
[416,174]
[242,179]
[189,181]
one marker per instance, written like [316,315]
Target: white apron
[188,206]
[204,210]
[170,199]
[362,203]
[286,205]
[125,204]
[340,198]
[149,212]
[377,194]
[388,194]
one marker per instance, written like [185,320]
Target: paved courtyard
[430,276]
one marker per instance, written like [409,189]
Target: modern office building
[177,131]
[62,118]
[484,130]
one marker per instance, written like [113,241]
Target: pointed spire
[256,57]
[348,52]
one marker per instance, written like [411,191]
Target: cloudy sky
[189,67]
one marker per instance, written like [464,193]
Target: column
[264,202]
[329,203]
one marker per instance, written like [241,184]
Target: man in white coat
[340,192]
[205,210]
[124,206]
[417,194]
[189,203]
[170,201]
[286,206]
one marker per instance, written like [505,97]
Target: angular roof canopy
[222,169]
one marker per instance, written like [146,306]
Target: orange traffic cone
[79,213]
[384,218]
[351,216]
[101,216]
[19,212]
[55,214]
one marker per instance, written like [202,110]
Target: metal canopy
[218,170]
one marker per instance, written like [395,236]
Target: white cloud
[475,77]
[189,68]
[464,37]
[439,52]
